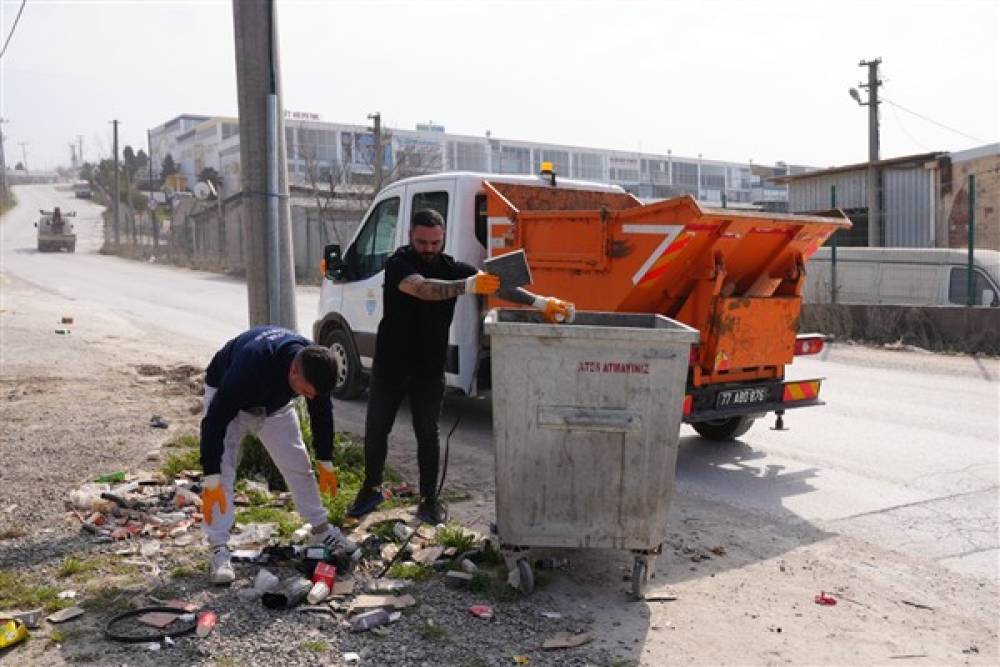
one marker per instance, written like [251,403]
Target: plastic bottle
[369,620]
[402,531]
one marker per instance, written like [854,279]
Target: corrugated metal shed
[813,194]
[908,200]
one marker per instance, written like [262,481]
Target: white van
[350,304]
[904,276]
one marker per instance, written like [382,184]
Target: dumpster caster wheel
[640,577]
[525,576]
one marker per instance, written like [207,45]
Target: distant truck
[55,231]
[81,189]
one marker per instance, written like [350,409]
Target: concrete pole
[376,119]
[258,75]
[24,156]
[3,166]
[875,232]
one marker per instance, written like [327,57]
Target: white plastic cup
[319,592]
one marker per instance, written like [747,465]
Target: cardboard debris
[398,514]
[29,618]
[64,615]
[456,579]
[341,588]
[182,604]
[376,601]
[158,619]
[565,641]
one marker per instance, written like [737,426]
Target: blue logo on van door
[370,305]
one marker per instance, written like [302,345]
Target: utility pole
[153,222]
[117,201]
[875,232]
[72,154]
[376,128]
[24,156]
[264,165]
[79,147]
[3,166]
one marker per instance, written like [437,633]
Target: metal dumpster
[586,419]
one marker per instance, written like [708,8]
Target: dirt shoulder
[76,405]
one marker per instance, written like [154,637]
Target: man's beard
[429,257]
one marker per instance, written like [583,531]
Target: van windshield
[958,288]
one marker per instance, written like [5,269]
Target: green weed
[411,571]
[17,593]
[287,522]
[453,535]
[316,646]
[432,631]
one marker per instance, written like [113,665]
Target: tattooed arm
[430,289]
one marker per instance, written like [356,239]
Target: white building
[163,138]
[323,151]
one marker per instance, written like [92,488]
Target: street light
[856,96]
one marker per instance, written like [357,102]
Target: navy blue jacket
[250,373]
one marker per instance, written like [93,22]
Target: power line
[13,27]
[933,122]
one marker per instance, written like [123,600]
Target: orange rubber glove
[212,494]
[555,310]
[482,283]
[327,478]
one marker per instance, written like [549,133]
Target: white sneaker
[334,540]
[221,569]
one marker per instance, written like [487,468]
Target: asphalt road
[904,454]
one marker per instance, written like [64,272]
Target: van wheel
[724,430]
[349,383]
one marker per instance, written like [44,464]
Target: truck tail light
[694,355]
[809,344]
[322,271]
[688,404]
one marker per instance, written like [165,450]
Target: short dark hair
[318,367]
[427,217]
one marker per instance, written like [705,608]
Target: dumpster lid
[591,325]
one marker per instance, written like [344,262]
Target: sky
[736,81]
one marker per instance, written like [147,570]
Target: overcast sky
[735,81]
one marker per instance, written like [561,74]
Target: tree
[209,174]
[168,167]
[87,172]
[19,166]
[128,159]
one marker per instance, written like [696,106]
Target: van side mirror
[333,262]
[988,298]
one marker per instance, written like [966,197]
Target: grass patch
[493,586]
[188,441]
[17,593]
[108,598]
[183,571]
[316,646]
[73,566]
[226,661]
[411,571]
[384,531]
[453,535]
[287,522]
[431,631]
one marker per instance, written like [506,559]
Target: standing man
[249,387]
[419,293]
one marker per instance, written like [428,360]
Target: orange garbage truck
[735,275]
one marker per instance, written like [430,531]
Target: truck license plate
[740,397]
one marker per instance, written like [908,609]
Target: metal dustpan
[512,269]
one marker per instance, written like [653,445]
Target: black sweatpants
[385,394]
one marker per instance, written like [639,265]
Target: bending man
[249,387]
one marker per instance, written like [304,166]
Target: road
[904,455]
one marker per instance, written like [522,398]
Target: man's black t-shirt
[413,334]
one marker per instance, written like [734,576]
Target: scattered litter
[402,531]
[62,331]
[341,588]
[111,477]
[659,597]
[156,421]
[167,641]
[29,618]
[189,607]
[149,548]
[718,551]
[429,555]
[917,605]
[481,611]
[158,619]
[291,592]
[246,555]
[266,581]
[521,660]
[468,566]
[10,508]
[323,579]
[12,632]
[387,586]
[66,320]
[566,641]
[64,615]
[317,609]
[301,534]
[369,620]
[825,600]
[971,650]
[152,646]
[67,595]
[554,615]
[389,552]
[374,601]
[206,622]
[907,657]
[352,658]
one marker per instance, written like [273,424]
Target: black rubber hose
[154,637]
